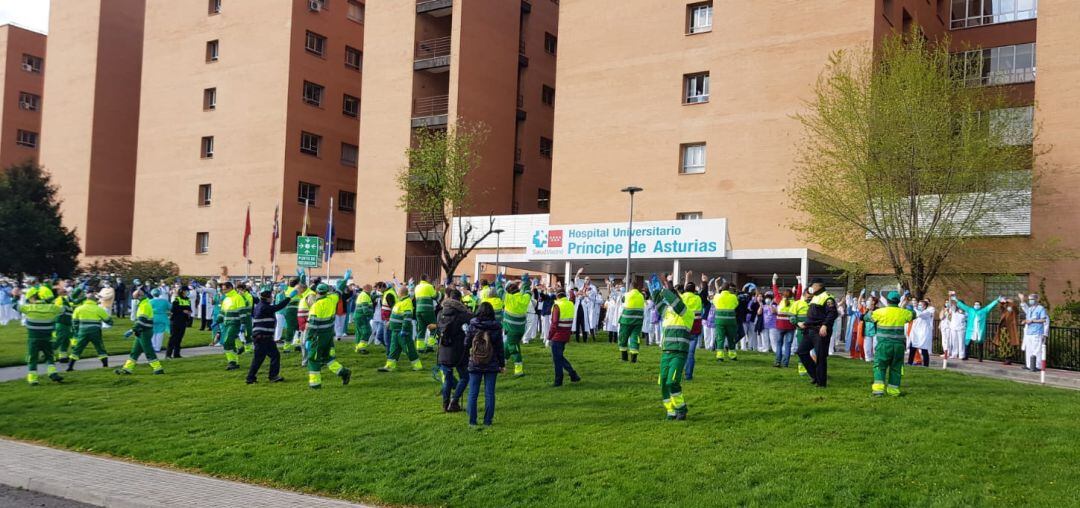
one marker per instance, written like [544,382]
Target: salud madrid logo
[548,239]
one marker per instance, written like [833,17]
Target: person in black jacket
[484,365]
[453,317]
[262,331]
[179,320]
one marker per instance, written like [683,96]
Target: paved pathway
[1015,372]
[91,362]
[113,483]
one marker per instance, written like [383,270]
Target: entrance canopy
[745,265]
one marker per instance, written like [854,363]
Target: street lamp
[630,231]
[498,244]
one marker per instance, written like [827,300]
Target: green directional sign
[308,251]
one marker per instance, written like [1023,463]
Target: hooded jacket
[494,329]
[452,319]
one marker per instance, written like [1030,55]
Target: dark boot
[454,407]
[105,362]
[346,376]
[71,366]
[633,358]
[625,356]
[56,378]
[446,405]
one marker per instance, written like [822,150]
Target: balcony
[432,55]
[419,226]
[435,8]
[430,111]
[1002,77]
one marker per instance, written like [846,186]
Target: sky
[32,14]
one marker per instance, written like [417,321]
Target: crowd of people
[477,329]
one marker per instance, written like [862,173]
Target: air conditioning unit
[27,67]
[315,5]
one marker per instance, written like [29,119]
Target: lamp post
[498,245]
[630,231]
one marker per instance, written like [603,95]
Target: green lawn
[756,435]
[13,341]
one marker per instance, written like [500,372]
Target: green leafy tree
[129,269]
[904,165]
[33,240]
[435,190]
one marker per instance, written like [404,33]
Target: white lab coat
[957,331]
[922,329]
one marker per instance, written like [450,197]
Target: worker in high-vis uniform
[303,312]
[515,313]
[891,322]
[425,314]
[725,324]
[292,293]
[363,313]
[387,300]
[231,317]
[40,318]
[62,330]
[320,333]
[87,320]
[142,331]
[244,290]
[677,321]
[630,321]
[821,314]
[799,308]
[401,323]
[494,295]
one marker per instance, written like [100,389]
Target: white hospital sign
[680,239]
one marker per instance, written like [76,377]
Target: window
[969,13]
[346,201]
[29,101]
[349,154]
[543,199]
[26,138]
[212,51]
[551,43]
[208,147]
[209,99]
[31,63]
[315,44]
[547,95]
[887,8]
[215,7]
[204,194]
[998,66]
[313,93]
[202,242]
[354,59]
[693,159]
[309,143]
[307,194]
[1013,126]
[699,18]
[344,244]
[688,216]
[350,106]
[697,88]
[545,147]
[356,11]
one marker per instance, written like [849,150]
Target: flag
[303,230]
[328,252]
[247,230]
[274,236]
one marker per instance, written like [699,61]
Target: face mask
[810,290]
[978,306]
[1031,301]
[1009,308]
[922,307]
[768,300]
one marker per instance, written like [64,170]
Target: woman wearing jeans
[453,357]
[484,323]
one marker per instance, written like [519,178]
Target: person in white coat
[922,332]
[957,331]
[945,327]
[648,327]
[1036,329]
[614,310]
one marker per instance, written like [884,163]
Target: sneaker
[633,358]
[104,362]
[159,372]
[625,356]
[384,369]
[177,356]
[62,360]
[575,379]
[346,376]
[776,364]
[56,378]
[315,387]
[278,379]
[680,416]
[122,372]
[232,366]
[454,407]
[250,381]
[70,367]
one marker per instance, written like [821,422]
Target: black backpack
[481,353]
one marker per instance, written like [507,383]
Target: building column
[476,270]
[804,269]
[566,276]
[676,273]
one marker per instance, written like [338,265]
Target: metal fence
[1062,348]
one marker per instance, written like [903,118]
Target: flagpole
[247,233]
[329,239]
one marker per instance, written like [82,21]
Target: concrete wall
[620,118]
[249,127]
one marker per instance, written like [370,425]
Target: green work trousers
[630,337]
[402,341]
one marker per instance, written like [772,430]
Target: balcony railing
[435,7]
[432,48]
[1006,77]
[430,111]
